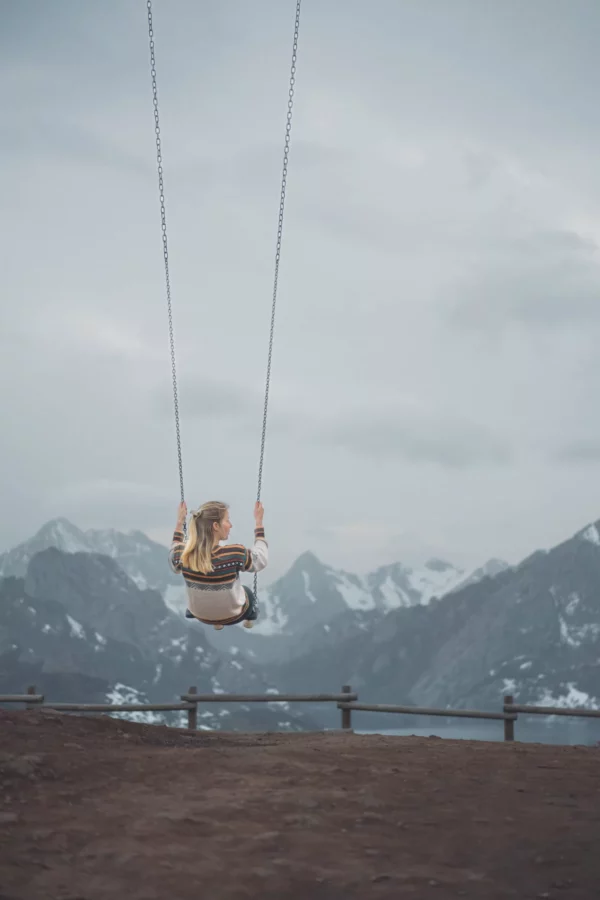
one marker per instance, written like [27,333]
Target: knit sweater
[219,596]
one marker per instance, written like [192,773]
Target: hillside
[80,629]
[533,631]
[308,596]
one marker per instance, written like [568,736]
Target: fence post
[193,713]
[30,690]
[509,724]
[346,713]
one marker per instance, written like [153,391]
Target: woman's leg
[251,614]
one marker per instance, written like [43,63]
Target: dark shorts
[251,613]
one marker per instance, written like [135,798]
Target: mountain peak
[61,533]
[591,534]
[307,561]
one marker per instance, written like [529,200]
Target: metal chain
[163,216]
[286,150]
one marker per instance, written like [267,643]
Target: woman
[211,572]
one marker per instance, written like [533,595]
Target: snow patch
[591,534]
[572,699]
[139,580]
[175,598]
[354,593]
[574,635]
[309,593]
[393,595]
[272,619]
[574,601]
[76,629]
[435,581]
[66,537]
[124,694]
[217,689]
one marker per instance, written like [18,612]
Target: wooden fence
[189,702]
[346,701]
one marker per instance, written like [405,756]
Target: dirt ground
[94,808]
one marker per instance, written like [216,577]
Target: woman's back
[212,574]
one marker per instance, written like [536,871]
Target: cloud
[439,196]
[212,399]
[586,452]
[222,404]
[120,504]
[418,438]
[543,280]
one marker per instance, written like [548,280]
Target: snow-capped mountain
[491,568]
[312,592]
[397,585]
[532,630]
[299,609]
[79,628]
[143,560]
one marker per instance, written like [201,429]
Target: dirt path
[92,809]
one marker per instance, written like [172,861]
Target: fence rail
[426,711]
[117,707]
[268,698]
[508,718]
[21,698]
[551,711]
[346,701]
[195,698]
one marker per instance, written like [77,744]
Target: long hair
[197,553]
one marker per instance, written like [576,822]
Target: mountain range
[99,614]
[532,630]
[308,595]
[80,629]
[142,559]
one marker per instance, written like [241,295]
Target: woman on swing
[212,572]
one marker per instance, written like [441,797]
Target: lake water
[550,731]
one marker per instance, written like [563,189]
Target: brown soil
[92,809]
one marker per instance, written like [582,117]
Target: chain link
[286,150]
[163,216]
[288,130]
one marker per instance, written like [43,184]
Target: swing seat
[247,623]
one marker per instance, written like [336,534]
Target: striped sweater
[219,595]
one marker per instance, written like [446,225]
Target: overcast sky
[435,377]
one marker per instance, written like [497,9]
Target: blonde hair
[197,553]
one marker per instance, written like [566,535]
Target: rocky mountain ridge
[309,595]
[76,623]
[532,631]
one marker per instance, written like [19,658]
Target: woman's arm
[258,557]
